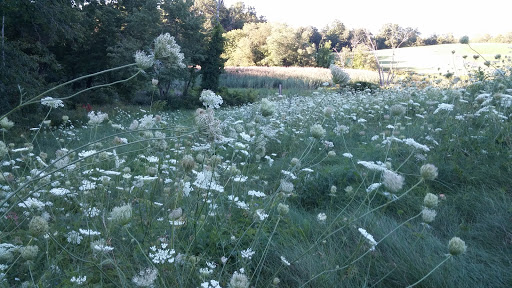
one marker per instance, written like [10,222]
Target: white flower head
[210,99]
[168,50]
[143,60]
[146,277]
[392,180]
[368,237]
[51,102]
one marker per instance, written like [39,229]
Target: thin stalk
[435,268]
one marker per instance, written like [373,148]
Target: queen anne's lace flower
[210,99]
[368,237]
[143,60]
[51,102]
[145,278]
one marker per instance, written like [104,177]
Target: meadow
[298,78]
[336,187]
[440,59]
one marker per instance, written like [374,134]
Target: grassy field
[440,59]
[288,77]
[337,187]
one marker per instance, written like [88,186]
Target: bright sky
[460,17]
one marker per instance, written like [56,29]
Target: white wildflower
[248,253]
[368,237]
[210,99]
[143,60]
[444,106]
[146,277]
[78,280]
[96,118]
[392,180]
[51,102]
[74,237]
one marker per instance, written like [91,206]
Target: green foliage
[324,56]
[213,64]
[362,58]
[237,97]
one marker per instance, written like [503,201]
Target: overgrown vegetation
[389,187]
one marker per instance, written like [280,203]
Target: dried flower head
[188,163]
[317,131]
[392,180]
[239,280]
[428,215]
[121,214]
[430,200]
[282,209]
[29,252]
[397,110]
[267,108]
[6,123]
[38,226]
[456,246]
[338,75]
[428,172]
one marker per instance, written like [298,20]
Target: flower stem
[424,277]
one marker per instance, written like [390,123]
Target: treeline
[44,43]
[274,44]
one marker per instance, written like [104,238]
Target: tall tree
[29,28]
[213,64]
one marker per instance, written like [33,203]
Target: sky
[431,16]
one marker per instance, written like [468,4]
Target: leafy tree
[247,47]
[282,46]
[29,29]
[306,51]
[213,64]
[238,15]
[395,36]
[324,56]
[431,40]
[337,33]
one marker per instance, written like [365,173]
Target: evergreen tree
[213,64]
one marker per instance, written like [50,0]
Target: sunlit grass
[321,189]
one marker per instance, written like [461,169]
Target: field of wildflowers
[342,188]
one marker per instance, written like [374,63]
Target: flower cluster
[51,102]
[145,278]
[143,60]
[368,237]
[210,99]
[167,48]
[161,255]
[96,118]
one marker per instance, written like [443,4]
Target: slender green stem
[435,268]
[265,250]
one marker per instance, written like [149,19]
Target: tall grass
[324,190]
[287,77]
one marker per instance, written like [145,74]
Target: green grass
[189,180]
[439,58]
